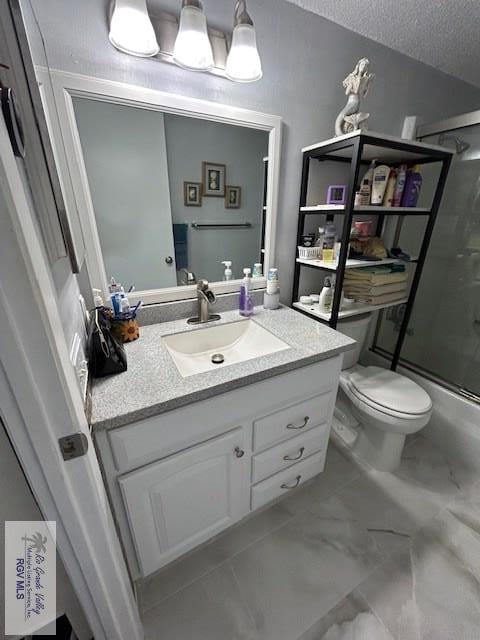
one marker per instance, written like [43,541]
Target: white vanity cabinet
[174,504]
[178,478]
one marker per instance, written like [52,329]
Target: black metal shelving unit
[358,149]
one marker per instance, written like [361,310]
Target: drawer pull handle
[239,452]
[291,486]
[300,426]
[300,455]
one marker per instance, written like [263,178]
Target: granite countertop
[152,383]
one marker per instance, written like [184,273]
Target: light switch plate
[79,363]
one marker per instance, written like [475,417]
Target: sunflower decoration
[126,330]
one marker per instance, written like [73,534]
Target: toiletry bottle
[326,296]
[380,177]
[257,270]
[413,184]
[329,239]
[399,185]
[97,298]
[116,301]
[362,197]
[368,178]
[124,305]
[320,237]
[228,275]
[369,173]
[246,300]
[271,297]
[390,190]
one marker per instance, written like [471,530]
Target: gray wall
[305,58]
[191,141]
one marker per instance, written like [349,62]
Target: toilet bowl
[387,405]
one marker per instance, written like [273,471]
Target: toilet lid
[390,390]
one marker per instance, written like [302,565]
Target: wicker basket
[309,253]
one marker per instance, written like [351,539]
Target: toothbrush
[136,308]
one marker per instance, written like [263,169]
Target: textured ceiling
[444,34]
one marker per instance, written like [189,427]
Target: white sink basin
[192,351]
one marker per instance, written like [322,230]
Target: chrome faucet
[189,277]
[205,297]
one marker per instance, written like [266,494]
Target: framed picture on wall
[233,197]
[192,194]
[213,179]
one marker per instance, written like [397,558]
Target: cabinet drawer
[162,435]
[288,453]
[291,421]
[287,481]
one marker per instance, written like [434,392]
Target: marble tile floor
[353,555]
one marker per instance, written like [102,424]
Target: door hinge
[73,446]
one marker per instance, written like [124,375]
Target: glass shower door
[443,337]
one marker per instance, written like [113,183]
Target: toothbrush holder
[126,330]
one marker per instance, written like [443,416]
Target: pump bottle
[246,300]
[228,275]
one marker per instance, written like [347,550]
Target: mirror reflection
[174,197]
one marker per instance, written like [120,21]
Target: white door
[41,402]
[181,501]
[125,155]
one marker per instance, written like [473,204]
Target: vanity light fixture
[192,49]
[243,62]
[131,29]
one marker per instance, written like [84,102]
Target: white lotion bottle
[326,296]
[228,275]
[380,178]
[271,297]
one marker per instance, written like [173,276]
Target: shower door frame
[469,119]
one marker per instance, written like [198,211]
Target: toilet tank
[356,328]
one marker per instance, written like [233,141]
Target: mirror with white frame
[166,195]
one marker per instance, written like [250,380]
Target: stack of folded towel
[376,285]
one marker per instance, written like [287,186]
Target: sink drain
[217,358]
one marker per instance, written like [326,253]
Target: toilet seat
[388,392]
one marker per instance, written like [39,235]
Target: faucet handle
[203,285]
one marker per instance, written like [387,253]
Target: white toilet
[387,405]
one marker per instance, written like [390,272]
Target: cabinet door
[177,503]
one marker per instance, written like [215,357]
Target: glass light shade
[243,62]
[192,48]
[131,29]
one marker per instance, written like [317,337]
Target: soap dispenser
[246,301]
[97,298]
[326,296]
[228,275]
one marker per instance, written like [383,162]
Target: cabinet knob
[169,260]
[239,452]
[299,426]
[291,486]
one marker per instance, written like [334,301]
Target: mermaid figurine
[356,86]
